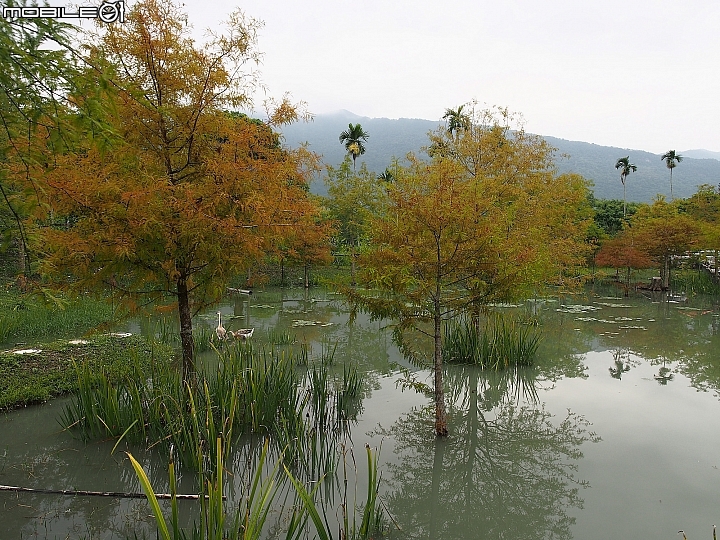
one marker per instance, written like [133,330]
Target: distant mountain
[700,154]
[395,138]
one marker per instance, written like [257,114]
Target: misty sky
[640,74]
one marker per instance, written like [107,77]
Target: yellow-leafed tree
[486,219]
[181,195]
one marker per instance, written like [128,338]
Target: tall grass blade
[309,505]
[150,494]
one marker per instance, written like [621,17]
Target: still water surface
[614,434]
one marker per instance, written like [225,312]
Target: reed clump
[498,345]
[246,392]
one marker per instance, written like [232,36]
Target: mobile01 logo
[108,12]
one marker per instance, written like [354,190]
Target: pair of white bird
[222,333]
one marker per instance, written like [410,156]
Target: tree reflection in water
[507,470]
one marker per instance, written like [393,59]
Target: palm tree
[625,168]
[457,120]
[353,138]
[671,160]
[386,176]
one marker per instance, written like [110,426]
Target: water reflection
[508,469]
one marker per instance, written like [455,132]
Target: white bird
[220,331]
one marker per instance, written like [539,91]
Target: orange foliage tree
[662,231]
[182,195]
[309,244]
[621,252]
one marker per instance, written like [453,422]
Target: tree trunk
[307,276]
[624,201]
[22,267]
[352,266]
[666,273]
[627,282]
[186,336]
[441,428]
[282,272]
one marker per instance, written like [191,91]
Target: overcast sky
[639,74]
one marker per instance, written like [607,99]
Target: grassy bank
[41,333]
[29,317]
[34,377]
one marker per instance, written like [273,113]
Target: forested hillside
[395,138]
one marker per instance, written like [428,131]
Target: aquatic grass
[277,336]
[348,405]
[694,282]
[165,331]
[499,345]
[370,522]
[246,522]
[248,518]
[247,392]
[202,337]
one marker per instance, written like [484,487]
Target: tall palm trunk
[624,201]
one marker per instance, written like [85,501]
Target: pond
[613,434]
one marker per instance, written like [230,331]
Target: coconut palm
[353,139]
[671,160]
[456,120]
[625,168]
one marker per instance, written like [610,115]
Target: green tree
[625,167]
[671,160]
[608,214]
[37,74]
[353,139]
[704,208]
[386,176]
[354,197]
[455,238]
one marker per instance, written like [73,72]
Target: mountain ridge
[390,138]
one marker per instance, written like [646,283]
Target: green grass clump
[499,345]
[694,282]
[25,317]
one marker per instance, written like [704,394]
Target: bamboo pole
[83,493]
